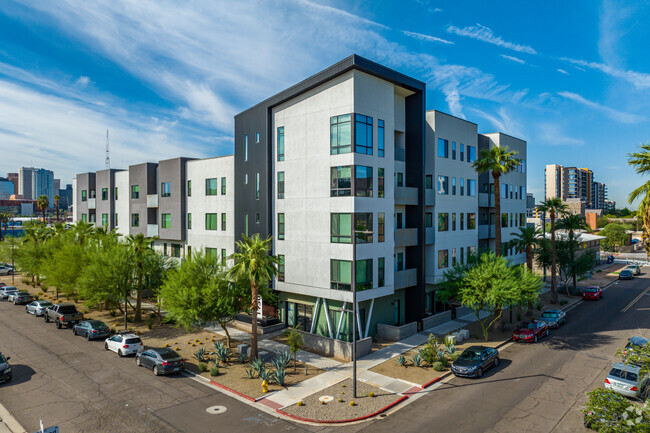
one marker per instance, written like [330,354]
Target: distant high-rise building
[57,186]
[13,177]
[25,175]
[598,195]
[6,188]
[43,184]
[574,183]
[610,205]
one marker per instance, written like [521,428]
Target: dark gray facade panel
[145,176]
[106,179]
[174,172]
[85,182]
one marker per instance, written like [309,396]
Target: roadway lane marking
[635,300]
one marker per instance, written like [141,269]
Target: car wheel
[106,346]
[155,370]
[535,338]
[87,336]
[479,372]
[119,353]
[58,325]
[137,361]
[47,319]
[496,362]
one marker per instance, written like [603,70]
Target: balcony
[406,237]
[152,200]
[430,236]
[92,204]
[486,231]
[406,196]
[406,278]
[152,230]
[485,200]
[430,197]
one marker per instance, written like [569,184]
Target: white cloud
[562,71]
[612,113]
[552,134]
[514,59]
[503,122]
[640,80]
[485,34]
[82,81]
[427,38]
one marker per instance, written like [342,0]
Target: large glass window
[211,186]
[135,191]
[453,150]
[92,217]
[84,195]
[104,219]
[443,222]
[471,187]
[104,193]
[363,134]
[189,188]
[341,134]
[363,228]
[223,222]
[257,186]
[443,185]
[443,259]
[281,143]
[381,271]
[381,222]
[363,275]
[428,181]
[223,186]
[428,220]
[380,182]
[443,148]
[281,226]
[176,250]
[211,222]
[471,154]
[135,220]
[280,267]
[341,278]
[165,189]
[189,221]
[341,228]
[280,184]
[471,221]
[341,181]
[381,138]
[363,181]
[166,221]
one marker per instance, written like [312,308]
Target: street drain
[382,415]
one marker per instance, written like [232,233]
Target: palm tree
[141,245]
[57,198]
[497,160]
[571,223]
[83,231]
[525,239]
[553,207]
[641,163]
[253,263]
[5,217]
[43,203]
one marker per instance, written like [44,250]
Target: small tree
[43,203]
[615,236]
[296,342]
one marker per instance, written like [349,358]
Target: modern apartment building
[598,195]
[359,187]
[574,183]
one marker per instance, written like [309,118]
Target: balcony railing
[92,204]
[486,231]
[406,278]
[152,230]
[430,235]
[406,195]
[406,237]
[152,200]
[485,200]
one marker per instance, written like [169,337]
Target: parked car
[636,269]
[633,345]
[6,291]
[124,343]
[530,331]
[626,274]
[20,298]
[2,284]
[37,308]
[5,368]
[553,318]
[91,329]
[474,361]
[593,293]
[626,379]
[161,360]
[6,271]
[63,314]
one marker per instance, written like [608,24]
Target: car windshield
[550,315]
[132,340]
[591,290]
[470,355]
[168,355]
[22,293]
[625,271]
[46,304]
[68,309]
[531,325]
[622,374]
[98,325]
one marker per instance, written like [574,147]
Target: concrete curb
[224,387]
[9,421]
[343,421]
[437,379]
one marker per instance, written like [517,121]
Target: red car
[530,331]
[592,293]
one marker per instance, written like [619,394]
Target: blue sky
[167,77]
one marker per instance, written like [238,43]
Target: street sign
[54,429]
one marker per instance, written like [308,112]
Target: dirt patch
[313,409]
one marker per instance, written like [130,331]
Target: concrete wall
[121,219]
[396,333]
[336,348]
[436,319]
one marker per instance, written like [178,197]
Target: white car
[6,271]
[6,291]
[37,308]
[125,343]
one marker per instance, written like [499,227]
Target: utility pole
[108,155]
[544,237]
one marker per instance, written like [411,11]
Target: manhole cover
[326,398]
[215,410]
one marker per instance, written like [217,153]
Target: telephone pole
[108,154]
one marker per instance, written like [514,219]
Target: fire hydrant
[265,386]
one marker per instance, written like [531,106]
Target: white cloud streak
[562,71]
[427,38]
[485,34]
[612,113]
[514,59]
[640,80]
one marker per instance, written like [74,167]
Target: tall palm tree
[5,217]
[83,231]
[571,223]
[57,198]
[497,160]
[525,239]
[641,163]
[554,207]
[141,246]
[43,203]
[253,263]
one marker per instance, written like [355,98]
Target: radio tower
[108,154]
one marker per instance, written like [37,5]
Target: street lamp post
[544,237]
[13,245]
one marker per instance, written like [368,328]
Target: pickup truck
[63,315]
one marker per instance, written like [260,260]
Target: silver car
[627,380]
[553,318]
[6,271]
[6,291]
[37,308]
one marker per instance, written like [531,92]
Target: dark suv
[5,369]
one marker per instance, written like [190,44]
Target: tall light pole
[13,245]
[544,237]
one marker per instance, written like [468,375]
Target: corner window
[104,193]
[341,181]
[223,222]
[381,271]
[471,154]
[165,189]
[189,188]
[341,228]
[280,267]
[135,220]
[443,148]
[341,134]
[381,223]
[428,220]
[380,138]
[223,186]
[428,181]
[211,221]
[363,181]
[363,228]
[280,140]
[443,185]
[443,259]
[166,221]
[135,191]
[189,221]
[443,222]
[281,226]
[211,186]
[280,184]
[341,274]
[380,182]
[363,275]
[471,187]
[363,134]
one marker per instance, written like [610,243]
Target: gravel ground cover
[341,410]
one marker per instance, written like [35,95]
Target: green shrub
[200,355]
[279,376]
[214,370]
[429,350]
[203,367]
[416,360]
[539,305]
[149,323]
[112,313]
[438,366]
[401,361]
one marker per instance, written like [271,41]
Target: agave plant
[283,359]
[242,357]
[200,355]
[442,356]
[401,360]
[250,372]
[264,373]
[222,353]
[257,364]
[279,376]
[416,360]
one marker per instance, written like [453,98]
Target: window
[189,221]
[104,193]
[504,220]
[462,255]
[462,186]
[246,179]
[135,220]
[399,218]
[223,186]
[341,181]
[116,220]
[280,184]
[443,185]
[281,226]
[522,192]
[471,251]
[363,181]
[522,219]
[471,154]
[211,252]
[523,166]
[443,222]
[211,221]
[471,187]
[363,228]
[443,148]
[104,219]
[380,138]
[453,221]
[92,217]
[428,181]
[166,221]
[462,222]
[280,267]
[92,193]
[381,221]
[471,221]
[257,137]
[224,255]
[341,134]
[511,220]
[211,187]
[453,186]
[341,228]
[363,275]
[135,191]
[363,134]
[399,263]
[257,217]
[453,256]
[257,186]
[453,150]
[189,188]
[164,249]
[510,191]
[462,151]
[443,259]
[281,143]
[429,219]
[341,274]
[400,179]
[245,147]
[176,250]
[380,182]
[246,224]
[223,222]
[381,271]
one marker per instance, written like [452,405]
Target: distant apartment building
[13,177]
[530,205]
[6,188]
[360,188]
[598,195]
[574,183]
[35,182]
[610,205]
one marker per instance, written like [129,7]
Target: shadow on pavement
[578,342]
[20,374]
